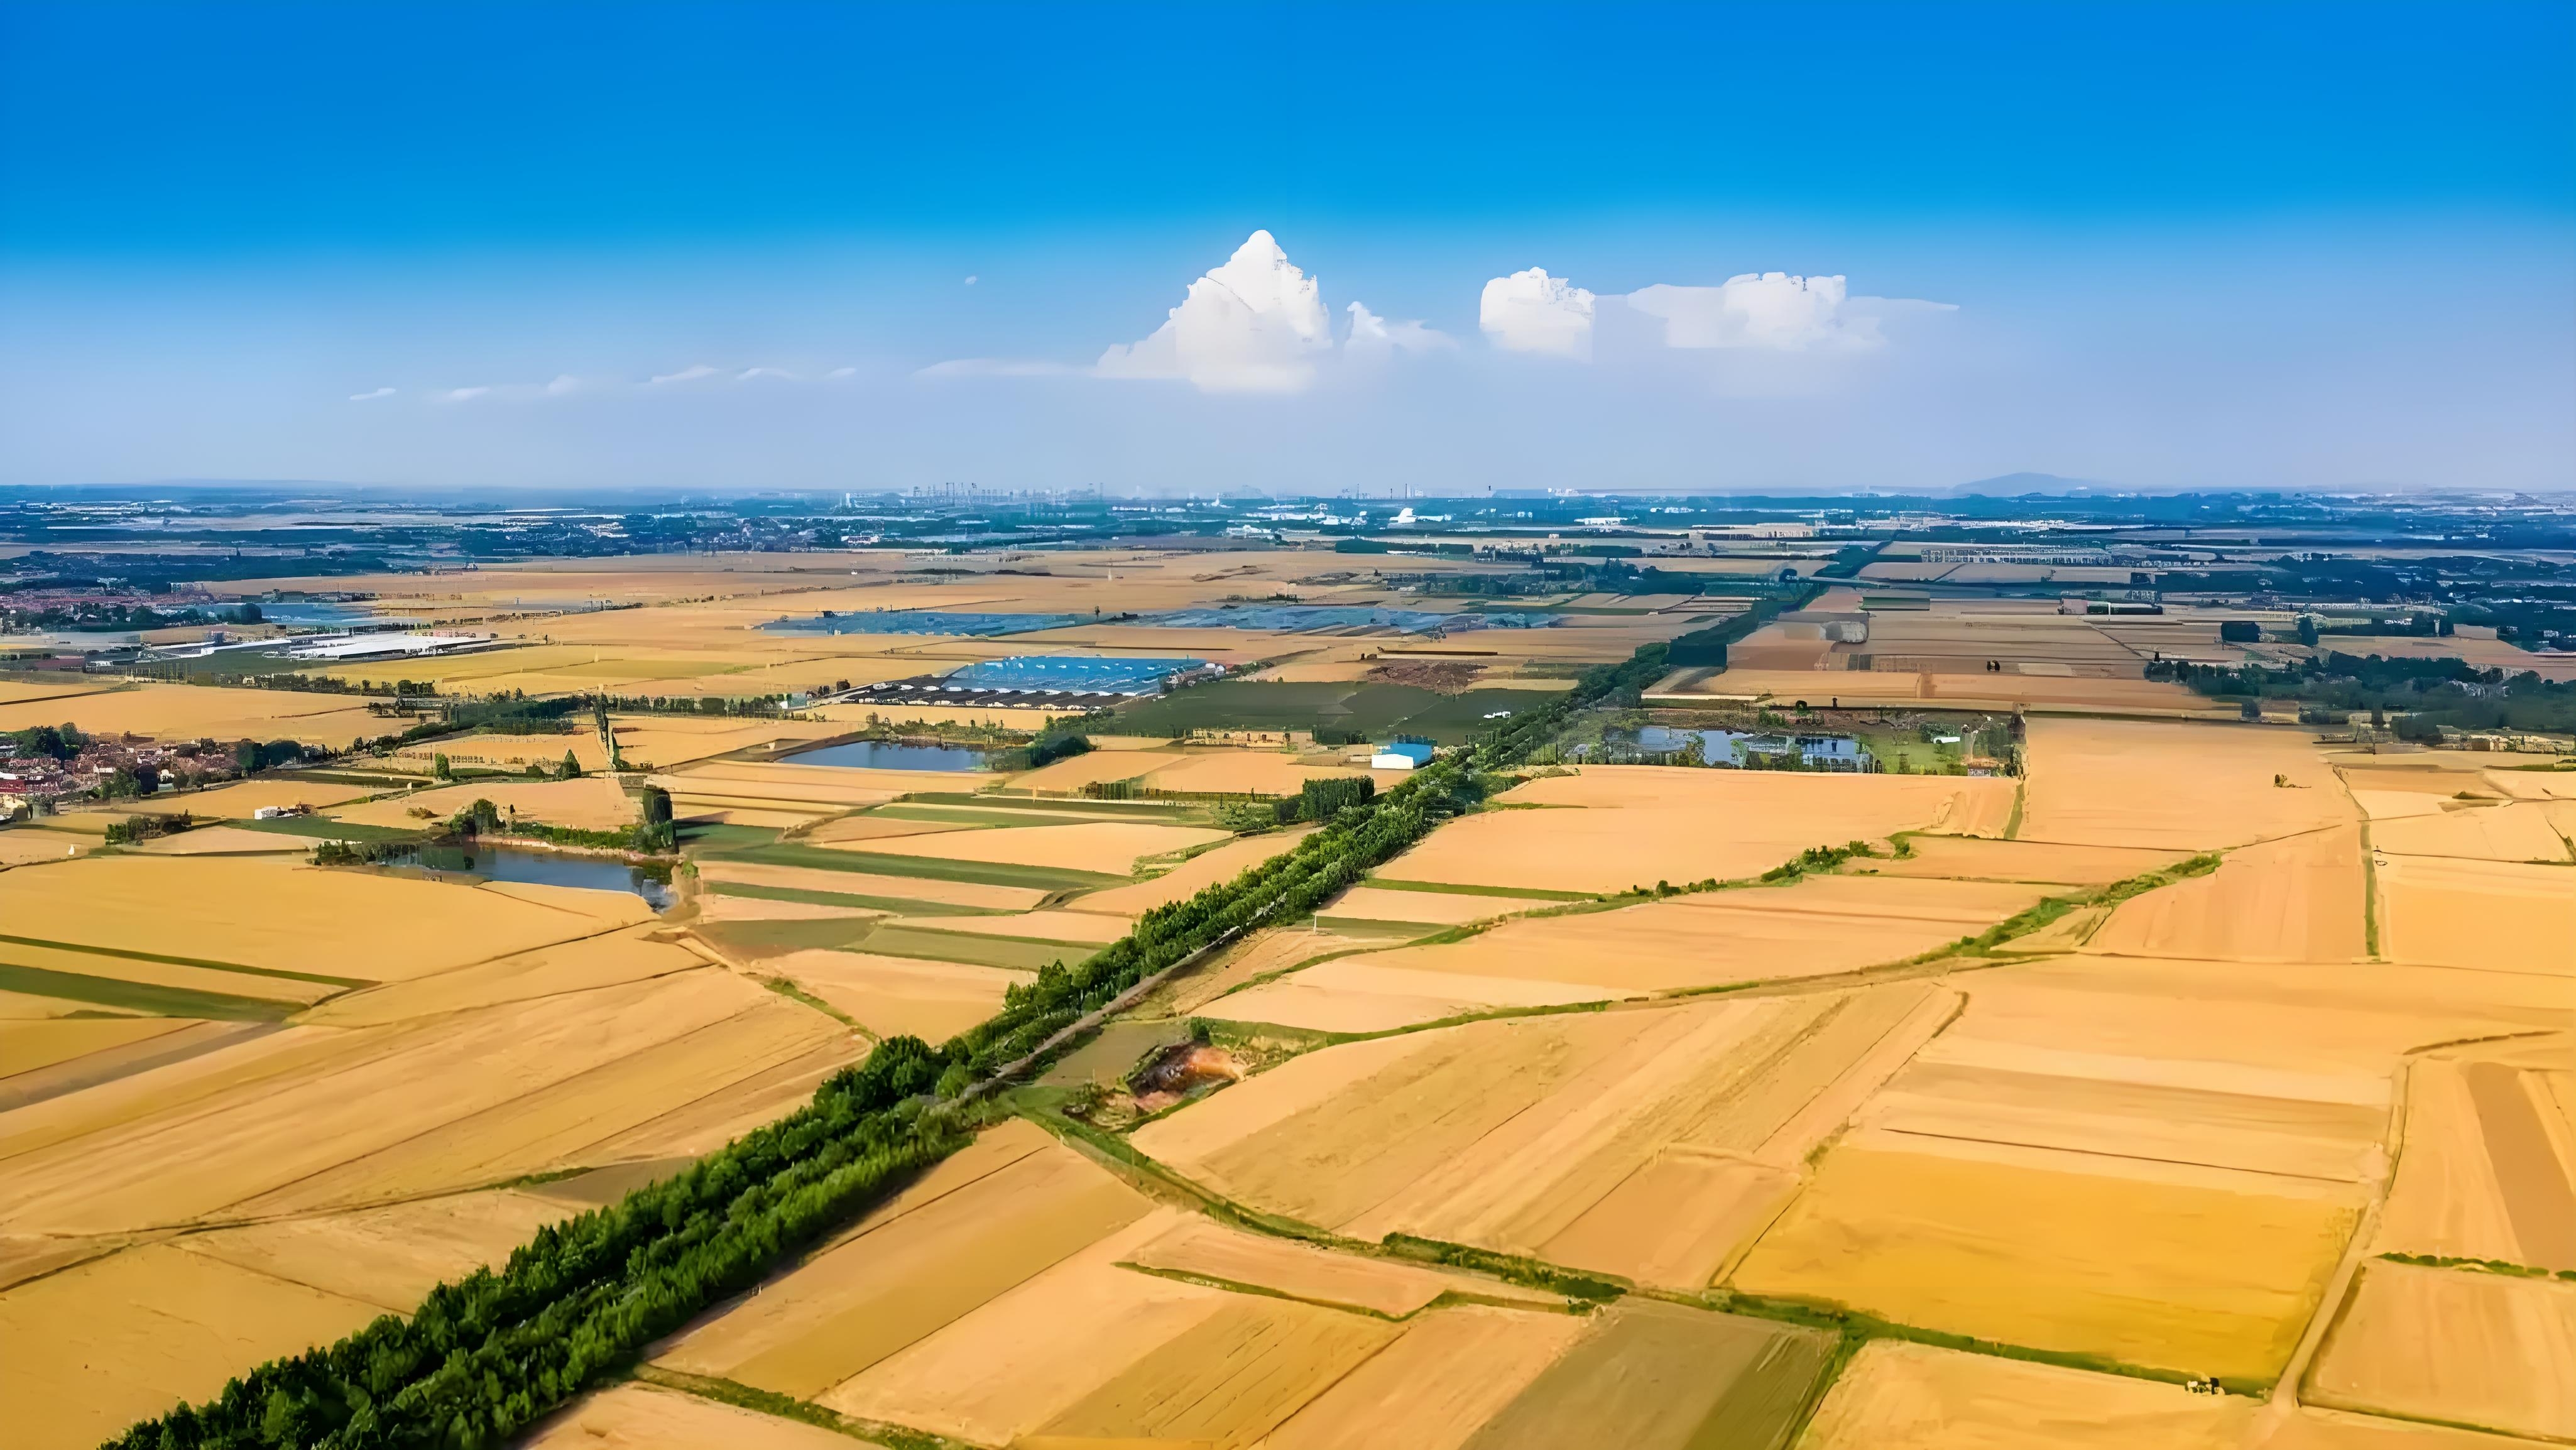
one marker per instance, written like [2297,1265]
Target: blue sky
[2176,245]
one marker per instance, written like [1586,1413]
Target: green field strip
[929,868]
[1009,953]
[323,828]
[171,961]
[902,906]
[1119,810]
[140,996]
[1444,888]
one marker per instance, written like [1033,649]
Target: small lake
[890,755]
[545,868]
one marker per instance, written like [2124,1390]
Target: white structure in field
[1401,755]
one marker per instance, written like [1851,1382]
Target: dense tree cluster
[2430,693]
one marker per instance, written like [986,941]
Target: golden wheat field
[1477,1153]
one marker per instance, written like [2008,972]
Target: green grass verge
[927,868]
[145,997]
[2480,1266]
[901,905]
[1017,954]
[1862,1326]
[323,828]
[788,1407]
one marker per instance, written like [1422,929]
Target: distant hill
[2009,484]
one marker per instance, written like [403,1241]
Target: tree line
[488,1354]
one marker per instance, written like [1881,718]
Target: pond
[890,755]
[545,868]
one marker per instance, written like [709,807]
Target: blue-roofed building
[1401,755]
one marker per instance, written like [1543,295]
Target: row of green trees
[487,1355]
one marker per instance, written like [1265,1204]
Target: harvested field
[2489,1169]
[2184,787]
[1453,1370]
[1090,769]
[2454,1346]
[26,1045]
[1112,848]
[191,712]
[1198,1248]
[1229,1382]
[388,1257]
[1819,926]
[1507,1133]
[876,828]
[1676,1222]
[1900,1396]
[2047,863]
[591,803]
[23,963]
[2299,899]
[1016,1363]
[2164,1266]
[1253,772]
[2493,915]
[1265,952]
[88,1351]
[311,1119]
[1353,994]
[581,965]
[2493,833]
[226,841]
[1656,1376]
[900,996]
[1428,908]
[1614,827]
[272,914]
[645,1417]
[1206,869]
[963,1236]
[867,888]
[28,846]
[240,798]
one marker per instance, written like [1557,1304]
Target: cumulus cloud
[1534,312]
[1255,324]
[685,375]
[1775,311]
[1373,336]
[371,397]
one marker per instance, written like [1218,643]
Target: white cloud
[1255,324]
[1534,312]
[839,373]
[751,374]
[462,395]
[685,375]
[371,397]
[1775,311]
[563,383]
[971,279]
[1373,336]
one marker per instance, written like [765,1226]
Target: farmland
[1649,1105]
